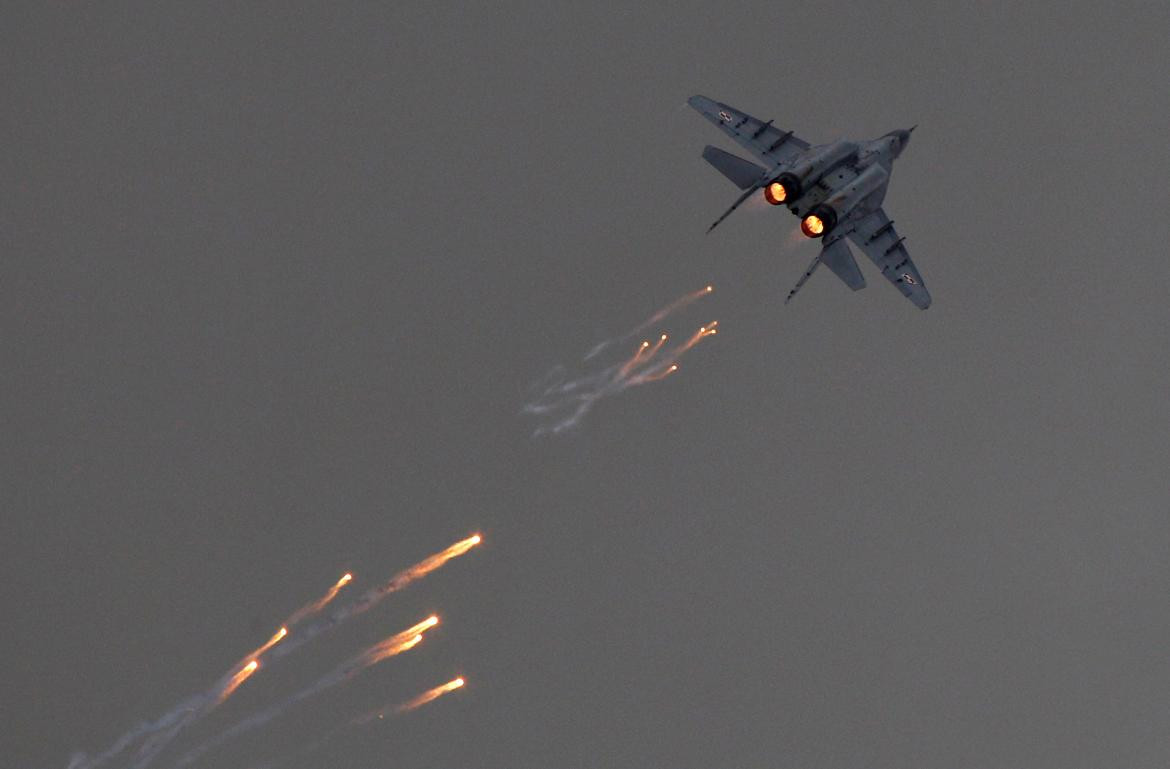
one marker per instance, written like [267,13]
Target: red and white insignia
[909,279]
[725,116]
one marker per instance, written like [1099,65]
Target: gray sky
[276,279]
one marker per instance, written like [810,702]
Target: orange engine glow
[775,193]
[812,226]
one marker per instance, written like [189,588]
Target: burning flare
[639,359]
[321,603]
[429,564]
[704,331]
[429,695]
[234,682]
[397,643]
[376,594]
[657,376]
[419,701]
[276,638]
[384,649]
[153,737]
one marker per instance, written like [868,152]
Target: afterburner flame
[775,193]
[812,226]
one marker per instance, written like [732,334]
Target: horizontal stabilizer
[837,258]
[743,173]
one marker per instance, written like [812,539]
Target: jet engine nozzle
[783,189]
[818,221]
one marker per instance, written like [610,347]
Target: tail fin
[743,173]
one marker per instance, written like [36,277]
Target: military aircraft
[836,189]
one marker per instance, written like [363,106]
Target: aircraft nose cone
[904,138]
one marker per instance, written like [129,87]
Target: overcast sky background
[277,278]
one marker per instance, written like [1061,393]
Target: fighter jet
[835,189]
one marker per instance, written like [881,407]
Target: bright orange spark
[675,306]
[407,576]
[659,376]
[321,603]
[241,675]
[430,563]
[425,625]
[628,365]
[422,699]
[398,643]
[429,695]
[329,596]
[276,638]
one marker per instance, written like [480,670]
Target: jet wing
[875,235]
[767,142]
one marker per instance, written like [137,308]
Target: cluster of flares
[146,741]
[388,647]
[375,595]
[562,402]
